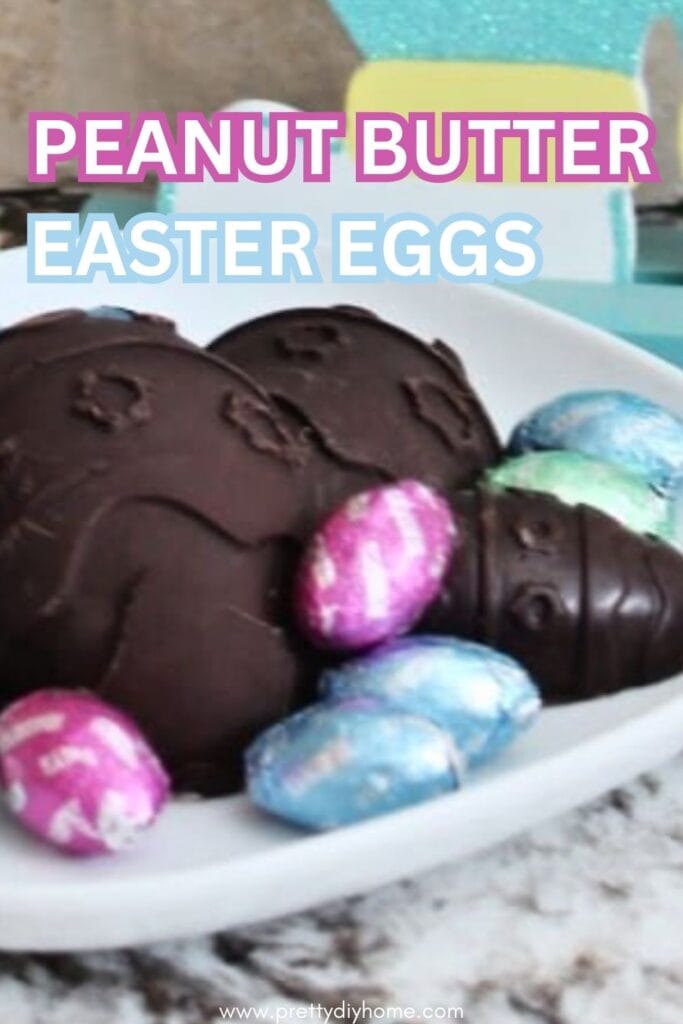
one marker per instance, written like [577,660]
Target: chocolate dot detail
[113,401]
[535,606]
[309,341]
[542,536]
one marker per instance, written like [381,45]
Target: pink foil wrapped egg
[374,566]
[78,773]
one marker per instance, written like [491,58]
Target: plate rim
[37,922]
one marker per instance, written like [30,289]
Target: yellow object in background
[402,86]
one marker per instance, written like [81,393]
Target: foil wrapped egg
[617,426]
[111,313]
[481,697]
[343,761]
[77,773]
[579,479]
[374,566]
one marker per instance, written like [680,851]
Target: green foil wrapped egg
[581,479]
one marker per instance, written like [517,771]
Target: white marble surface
[578,922]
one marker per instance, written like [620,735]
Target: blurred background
[175,55]
[612,256]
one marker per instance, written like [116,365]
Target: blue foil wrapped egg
[617,426]
[111,313]
[342,761]
[481,697]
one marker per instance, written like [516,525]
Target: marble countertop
[577,922]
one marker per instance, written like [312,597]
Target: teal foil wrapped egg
[616,426]
[111,313]
[579,479]
[481,697]
[340,762]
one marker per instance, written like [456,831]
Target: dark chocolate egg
[148,497]
[375,395]
[585,604]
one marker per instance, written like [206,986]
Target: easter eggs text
[267,248]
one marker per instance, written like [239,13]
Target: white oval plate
[219,863]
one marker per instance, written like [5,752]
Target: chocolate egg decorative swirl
[585,604]
[375,395]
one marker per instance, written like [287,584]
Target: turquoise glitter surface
[605,34]
[165,197]
[623,227]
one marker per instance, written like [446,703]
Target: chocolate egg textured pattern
[376,396]
[585,604]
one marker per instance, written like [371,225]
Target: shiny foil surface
[343,761]
[482,698]
[77,773]
[617,426]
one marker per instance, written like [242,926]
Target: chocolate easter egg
[77,773]
[146,493]
[482,698]
[374,565]
[375,395]
[340,762]
[578,479]
[587,606]
[616,426]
